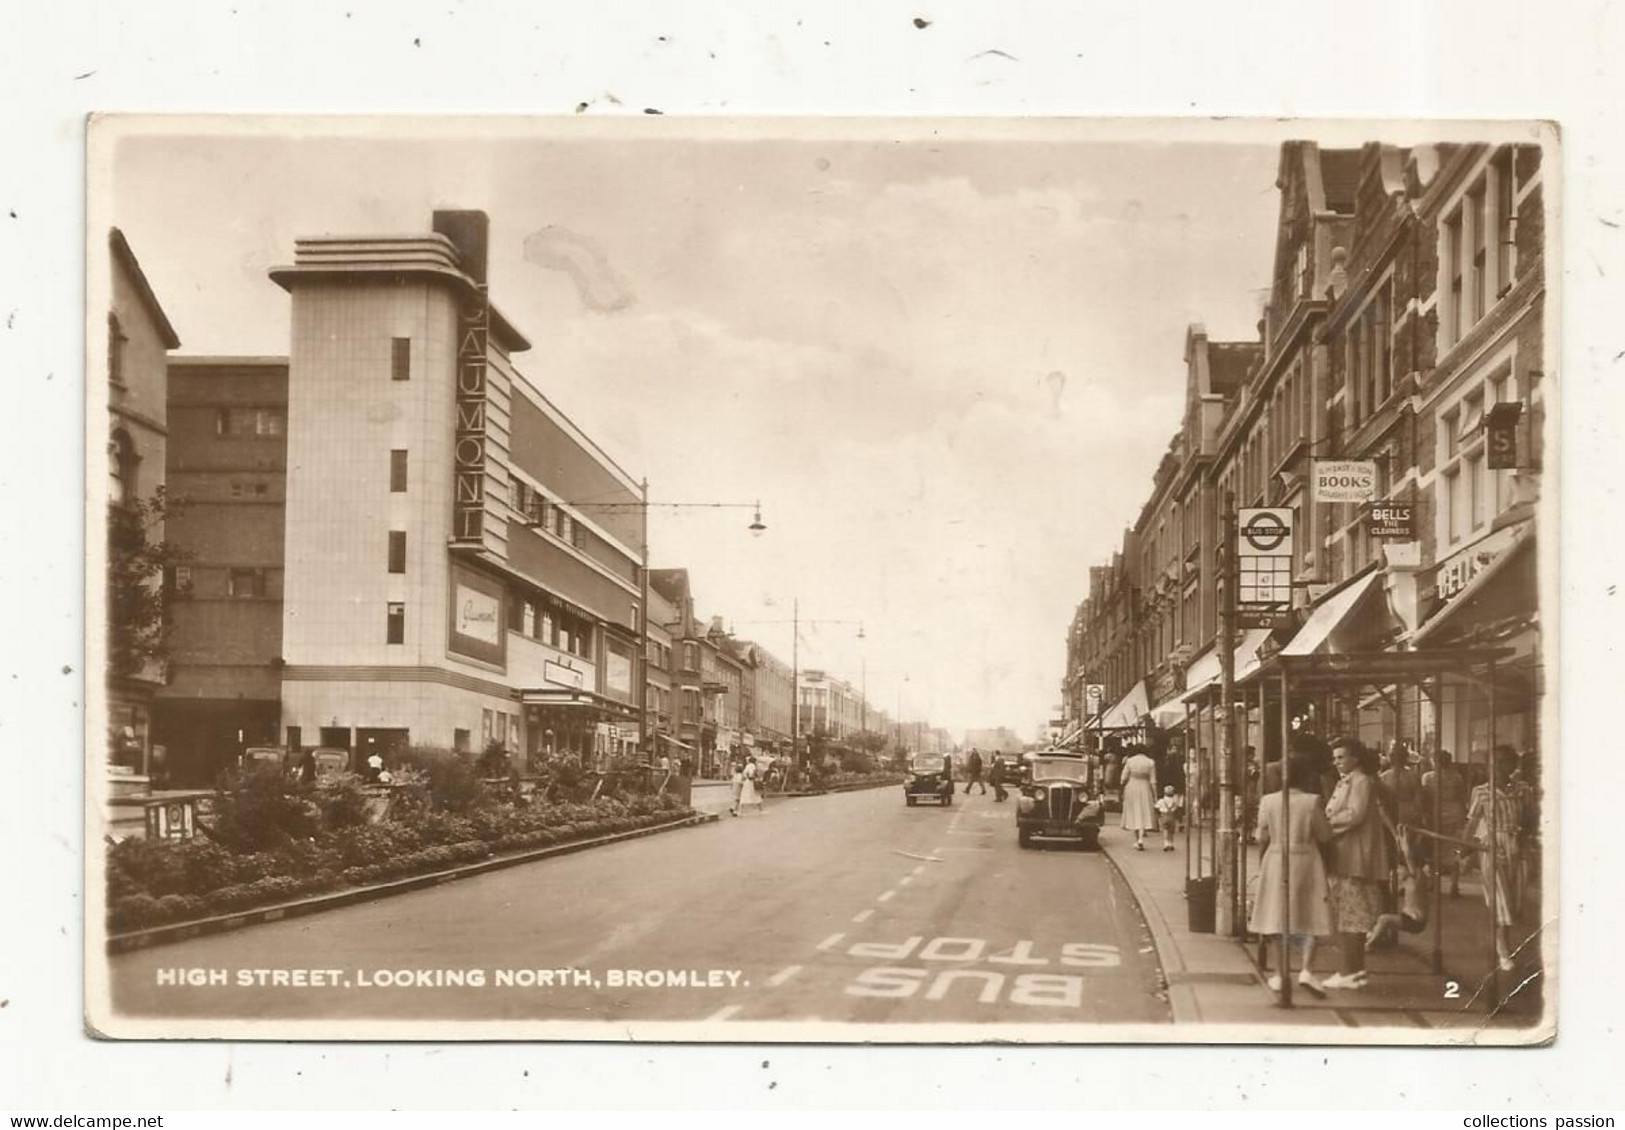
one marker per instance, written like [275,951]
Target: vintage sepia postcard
[916,580]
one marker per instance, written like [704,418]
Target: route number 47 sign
[1264,563]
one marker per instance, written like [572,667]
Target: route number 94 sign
[1264,563]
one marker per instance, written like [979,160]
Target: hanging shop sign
[1391,520]
[1343,480]
[1264,566]
[468,440]
[1501,435]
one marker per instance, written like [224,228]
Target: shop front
[597,733]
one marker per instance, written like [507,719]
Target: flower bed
[155,883]
[834,781]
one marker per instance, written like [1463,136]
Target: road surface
[849,907]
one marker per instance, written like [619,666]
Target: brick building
[227,470]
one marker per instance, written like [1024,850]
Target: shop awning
[1505,587]
[1129,709]
[669,740]
[1204,671]
[1316,634]
[1169,714]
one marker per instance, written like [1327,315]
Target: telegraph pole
[1225,923]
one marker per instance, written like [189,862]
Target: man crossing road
[973,772]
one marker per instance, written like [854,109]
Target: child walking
[1168,816]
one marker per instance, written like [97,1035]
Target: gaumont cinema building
[462,564]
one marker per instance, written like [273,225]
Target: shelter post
[1286,850]
[1227,923]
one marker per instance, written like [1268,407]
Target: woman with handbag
[1357,863]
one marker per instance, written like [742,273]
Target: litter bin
[1201,904]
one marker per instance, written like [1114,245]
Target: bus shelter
[1300,689]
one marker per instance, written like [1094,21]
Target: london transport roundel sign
[1265,532]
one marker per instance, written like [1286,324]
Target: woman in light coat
[1357,863]
[1307,905]
[1139,797]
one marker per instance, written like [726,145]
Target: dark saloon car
[1058,802]
[929,778]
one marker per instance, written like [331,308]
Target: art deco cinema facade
[462,562]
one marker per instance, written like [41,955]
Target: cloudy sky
[945,358]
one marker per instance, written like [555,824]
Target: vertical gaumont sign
[468,444]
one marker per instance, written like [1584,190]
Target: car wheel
[1024,837]
[948,800]
[909,801]
[1090,841]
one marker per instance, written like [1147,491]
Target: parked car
[929,778]
[1058,801]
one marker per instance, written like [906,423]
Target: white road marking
[920,868]
[862,916]
[725,1013]
[905,880]
[829,941]
[783,975]
[886,897]
[913,855]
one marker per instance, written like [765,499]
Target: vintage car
[930,777]
[1058,801]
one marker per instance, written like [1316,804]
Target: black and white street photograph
[875,579]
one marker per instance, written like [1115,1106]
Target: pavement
[1213,979]
[850,907]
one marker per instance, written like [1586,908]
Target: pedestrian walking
[973,772]
[1139,793]
[1444,792]
[1295,917]
[1357,865]
[737,773]
[750,796]
[995,774]
[1168,816]
[1402,784]
[1504,845]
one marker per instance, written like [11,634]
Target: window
[547,631]
[459,740]
[182,580]
[527,617]
[1506,221]
[397,551]
[245,582]
[1478,266]
[115,351]
[296,738]
[578,535]
[121,464]
[397,471]
[400,359]
[1453,245]
[396,624]
[260,423]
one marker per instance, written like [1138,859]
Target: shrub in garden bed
[271,842]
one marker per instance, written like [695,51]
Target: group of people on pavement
[1359,843]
